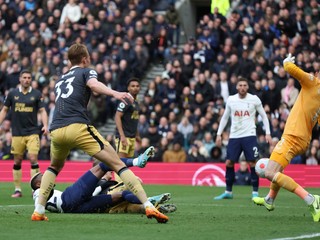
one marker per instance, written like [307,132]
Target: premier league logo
[209,175]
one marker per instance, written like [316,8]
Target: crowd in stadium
[181,108]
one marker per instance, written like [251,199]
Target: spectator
[161,44]
[186,99]
[163,127]
[194,154]
[152,90]
[143,125]
[312,158]
[171,54]
[204,88]
[187,68]
[271,96]
[174,155]
[153,135]
[276,132]
[175,73]
[160,148]
[223,86]
[71,13]
[12,79]
[243,175]
[290,93]
[186,128]
[196,133]
[215,155]
[172,18]
[208,142]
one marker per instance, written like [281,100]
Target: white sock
[135,161]
[269,200]
[40,209]
[148,204]
[309,199]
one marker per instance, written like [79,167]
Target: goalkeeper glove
[289,58]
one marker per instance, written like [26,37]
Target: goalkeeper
[295,140]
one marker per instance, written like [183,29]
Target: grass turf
[198,217]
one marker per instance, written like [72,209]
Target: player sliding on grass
[295,140]
[71,128]
[84,195]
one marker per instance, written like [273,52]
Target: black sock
[254,180]
[229,178]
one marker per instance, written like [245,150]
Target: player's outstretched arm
[296,72]
[100,88]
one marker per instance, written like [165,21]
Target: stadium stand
[139,38]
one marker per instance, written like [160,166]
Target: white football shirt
[243,115]
[53,204]
[55,201]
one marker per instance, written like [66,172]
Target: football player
[84,196]
[295,140]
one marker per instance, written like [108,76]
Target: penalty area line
[313,235]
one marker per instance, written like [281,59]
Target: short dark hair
[34,180]
[242,79]
[133,80]
[25,71]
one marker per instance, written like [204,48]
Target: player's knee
[18,159]
[229,163]
[33,161]
[269,174]
[55,168]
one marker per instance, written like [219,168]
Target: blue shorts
[248,145]
[78,197]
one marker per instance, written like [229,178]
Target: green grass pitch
[198,217]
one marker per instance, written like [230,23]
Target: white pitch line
[14,206]
[230,206]
[299,237]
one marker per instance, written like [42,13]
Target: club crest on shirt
[32,98]
[311,77]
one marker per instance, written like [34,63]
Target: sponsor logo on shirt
[241,113]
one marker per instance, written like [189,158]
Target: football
[261,166]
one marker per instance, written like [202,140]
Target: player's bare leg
[109,157]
